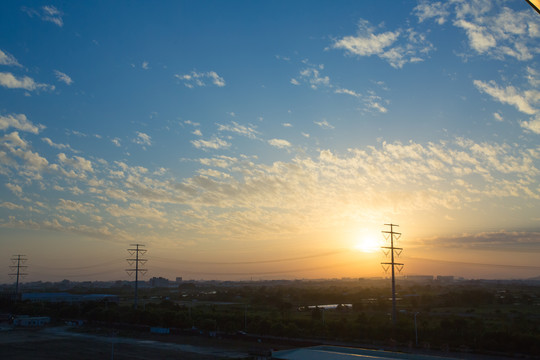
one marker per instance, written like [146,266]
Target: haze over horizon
[252,139]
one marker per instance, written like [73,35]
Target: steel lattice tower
[18,270]
[136,261]
[394,252]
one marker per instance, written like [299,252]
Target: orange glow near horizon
[368,244]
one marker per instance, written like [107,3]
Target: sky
[269,139]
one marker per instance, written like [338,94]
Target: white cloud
[509,95]
[213,173]
[65,219]
[427,9]
[10,81]
[373,101]
[17,147]
[312,76]
[370,100]
[214,144]
[16,189]
[11,206]
[46,13]
[77,162]
[366,43]
[144,65]
[199,79]
[397,47]
[137,211]
[116,142]
[117,194]
[286,125]
[279,143]
[189,122]
[284,58]
[324,124]
[248,131]
[52,14]
[377,106]
[532,125]
[13,141]
[77,133]
[197,132]
[19,122]
[143,139]
[533,77]
[221,161]
[480,38]
[160,172]
[8,59]
[63,77]
[70,205]
[498,117]
[54,145]
[216,79]
[347,92]
[491,28]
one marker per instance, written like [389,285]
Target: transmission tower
[394,252]
[135,260]
[18,270]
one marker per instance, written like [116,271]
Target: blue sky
[229,137]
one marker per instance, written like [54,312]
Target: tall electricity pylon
[18,270]
[135,261]
[394,252]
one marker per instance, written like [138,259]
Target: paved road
[63,332]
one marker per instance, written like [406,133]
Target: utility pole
[394,252]
[136,261]
[18,270]
[416,328]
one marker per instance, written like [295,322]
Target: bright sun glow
[368,244]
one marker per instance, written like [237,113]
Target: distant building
[419,278]
[178,279]
[159,282]
[445,278]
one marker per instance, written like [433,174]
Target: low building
[31,321]
[67,297]
[419,278]
[159,282]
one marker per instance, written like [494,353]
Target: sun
[367,244]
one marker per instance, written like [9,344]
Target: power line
[75,268]
[136,261]
[393,251]
[329,253]
[292,271]
[19,268]
[531,267]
